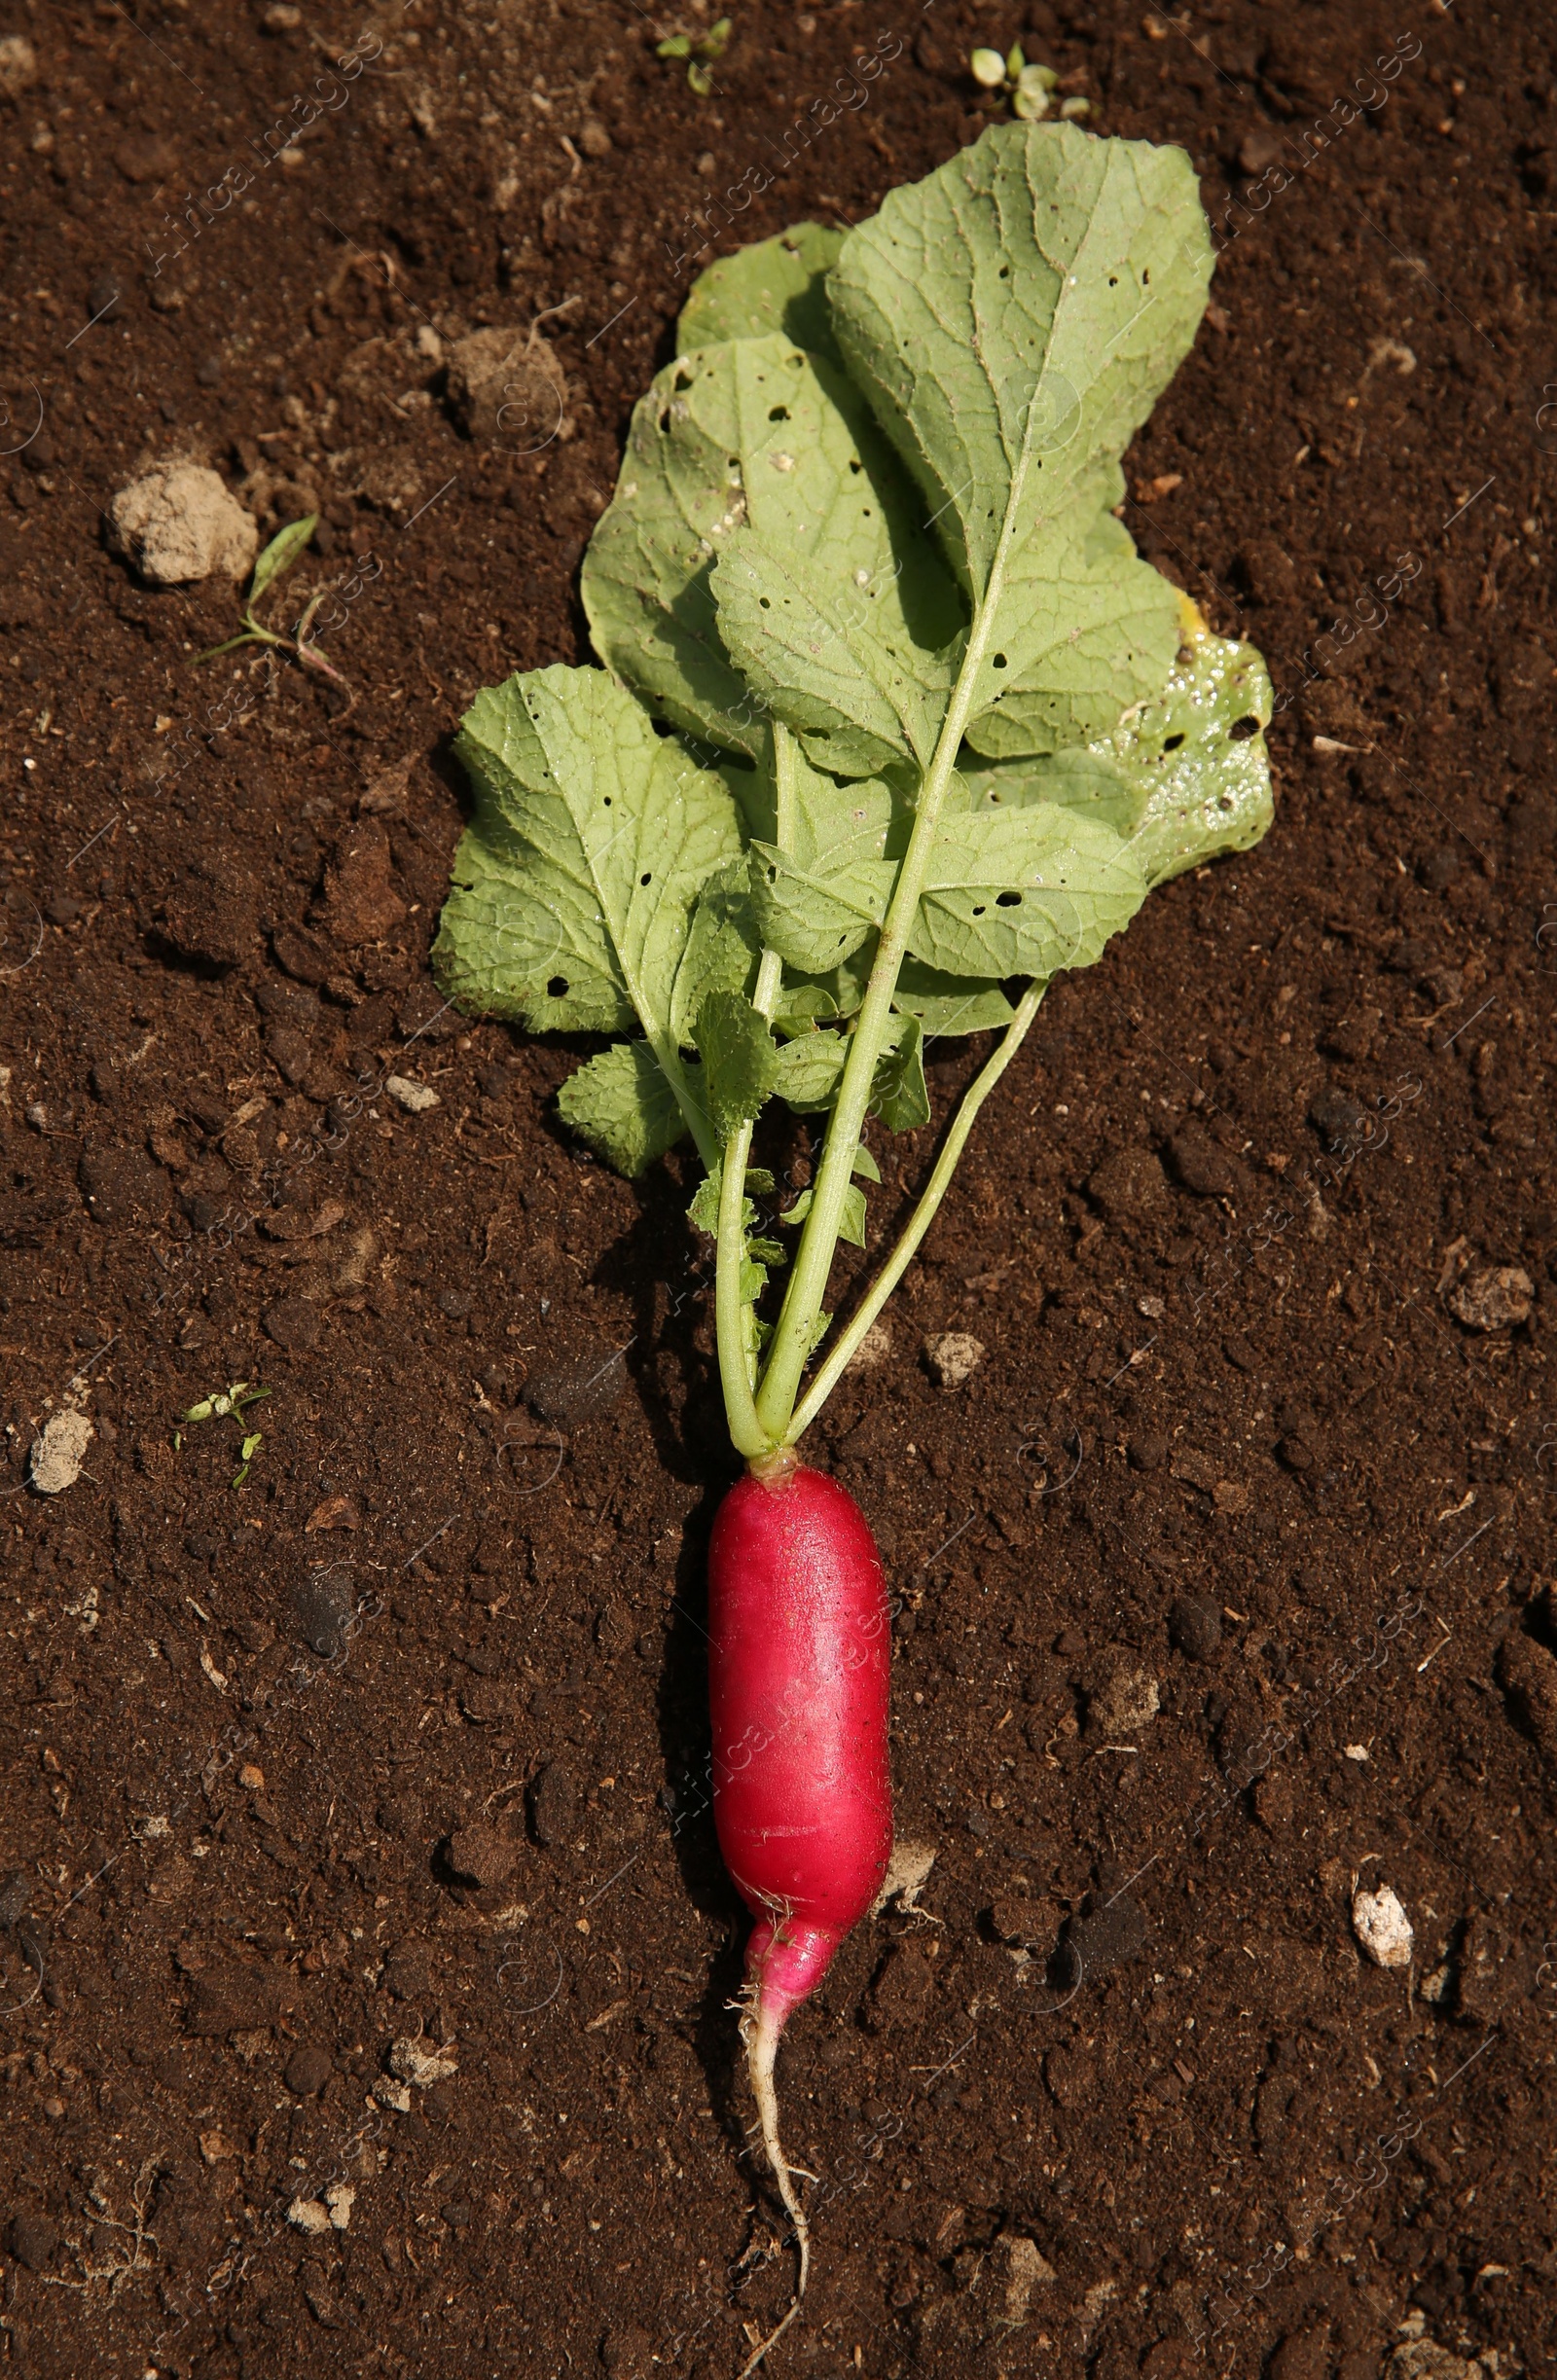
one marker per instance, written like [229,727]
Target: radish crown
[895,724]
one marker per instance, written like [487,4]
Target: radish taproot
[894,727]
[799,1658]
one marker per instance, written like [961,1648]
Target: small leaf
[699,79]
[239,1475]
[947,1005]
[677,45]
[809,1072]
[251,1444]
[898,1095]
[739,1062]
[281,553]
[621,1103]
[987,68]
[203,1411]
[853,1226]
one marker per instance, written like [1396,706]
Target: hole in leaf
[979,910]
[665,419]
[647,877]
[1242,729]
[683,377]
[766,602]
[556,988]
[779,412]
[1170,743]
[998,662]
[1008,900]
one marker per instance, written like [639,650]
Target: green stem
[846,1345]
[731,1314]
[795,1328]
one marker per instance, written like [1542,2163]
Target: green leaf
[281,553]
[810,1069]
[739,1062]
[1088,630]
[698,78]
[947,1005]
[806,644]
[704,1211]
[898,1095]
[623,1106]
[853,1226]
[676,44]
[774,286]
[722,950]
[1183,779]
[1016,893]
[752,433]
[1008,892]
[1015,316]
[592,836]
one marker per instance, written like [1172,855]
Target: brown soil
[403,1737]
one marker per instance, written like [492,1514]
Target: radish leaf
[752,431]
[1183,779]
[739,1062]
[775,285]
[623,1105]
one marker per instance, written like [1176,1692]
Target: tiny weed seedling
[701,50]
[1031,89]
[894,727]
[228,1403]
[277,557]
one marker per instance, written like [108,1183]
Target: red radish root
[798,1682]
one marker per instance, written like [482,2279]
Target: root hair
[760,2035]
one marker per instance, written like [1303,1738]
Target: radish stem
[761,2032]
[734,1319]
[795,1327]
[846,1345]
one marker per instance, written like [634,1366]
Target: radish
[798,1676]
[895,726]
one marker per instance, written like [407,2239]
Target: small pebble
[414,1097]
[1382,1927]
[340,2198]
[953,1357]
[309,2215]
[1123,1702]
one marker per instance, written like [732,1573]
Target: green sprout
[221,1405]
[1030,88]
[701,50]
[277,557]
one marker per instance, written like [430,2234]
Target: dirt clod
[60,1452]
[553,1805]
[1195,1625]
[179,524]
[486,1855]
[308,2069]
[953,1357]
[1494,1297]
[32,2239]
